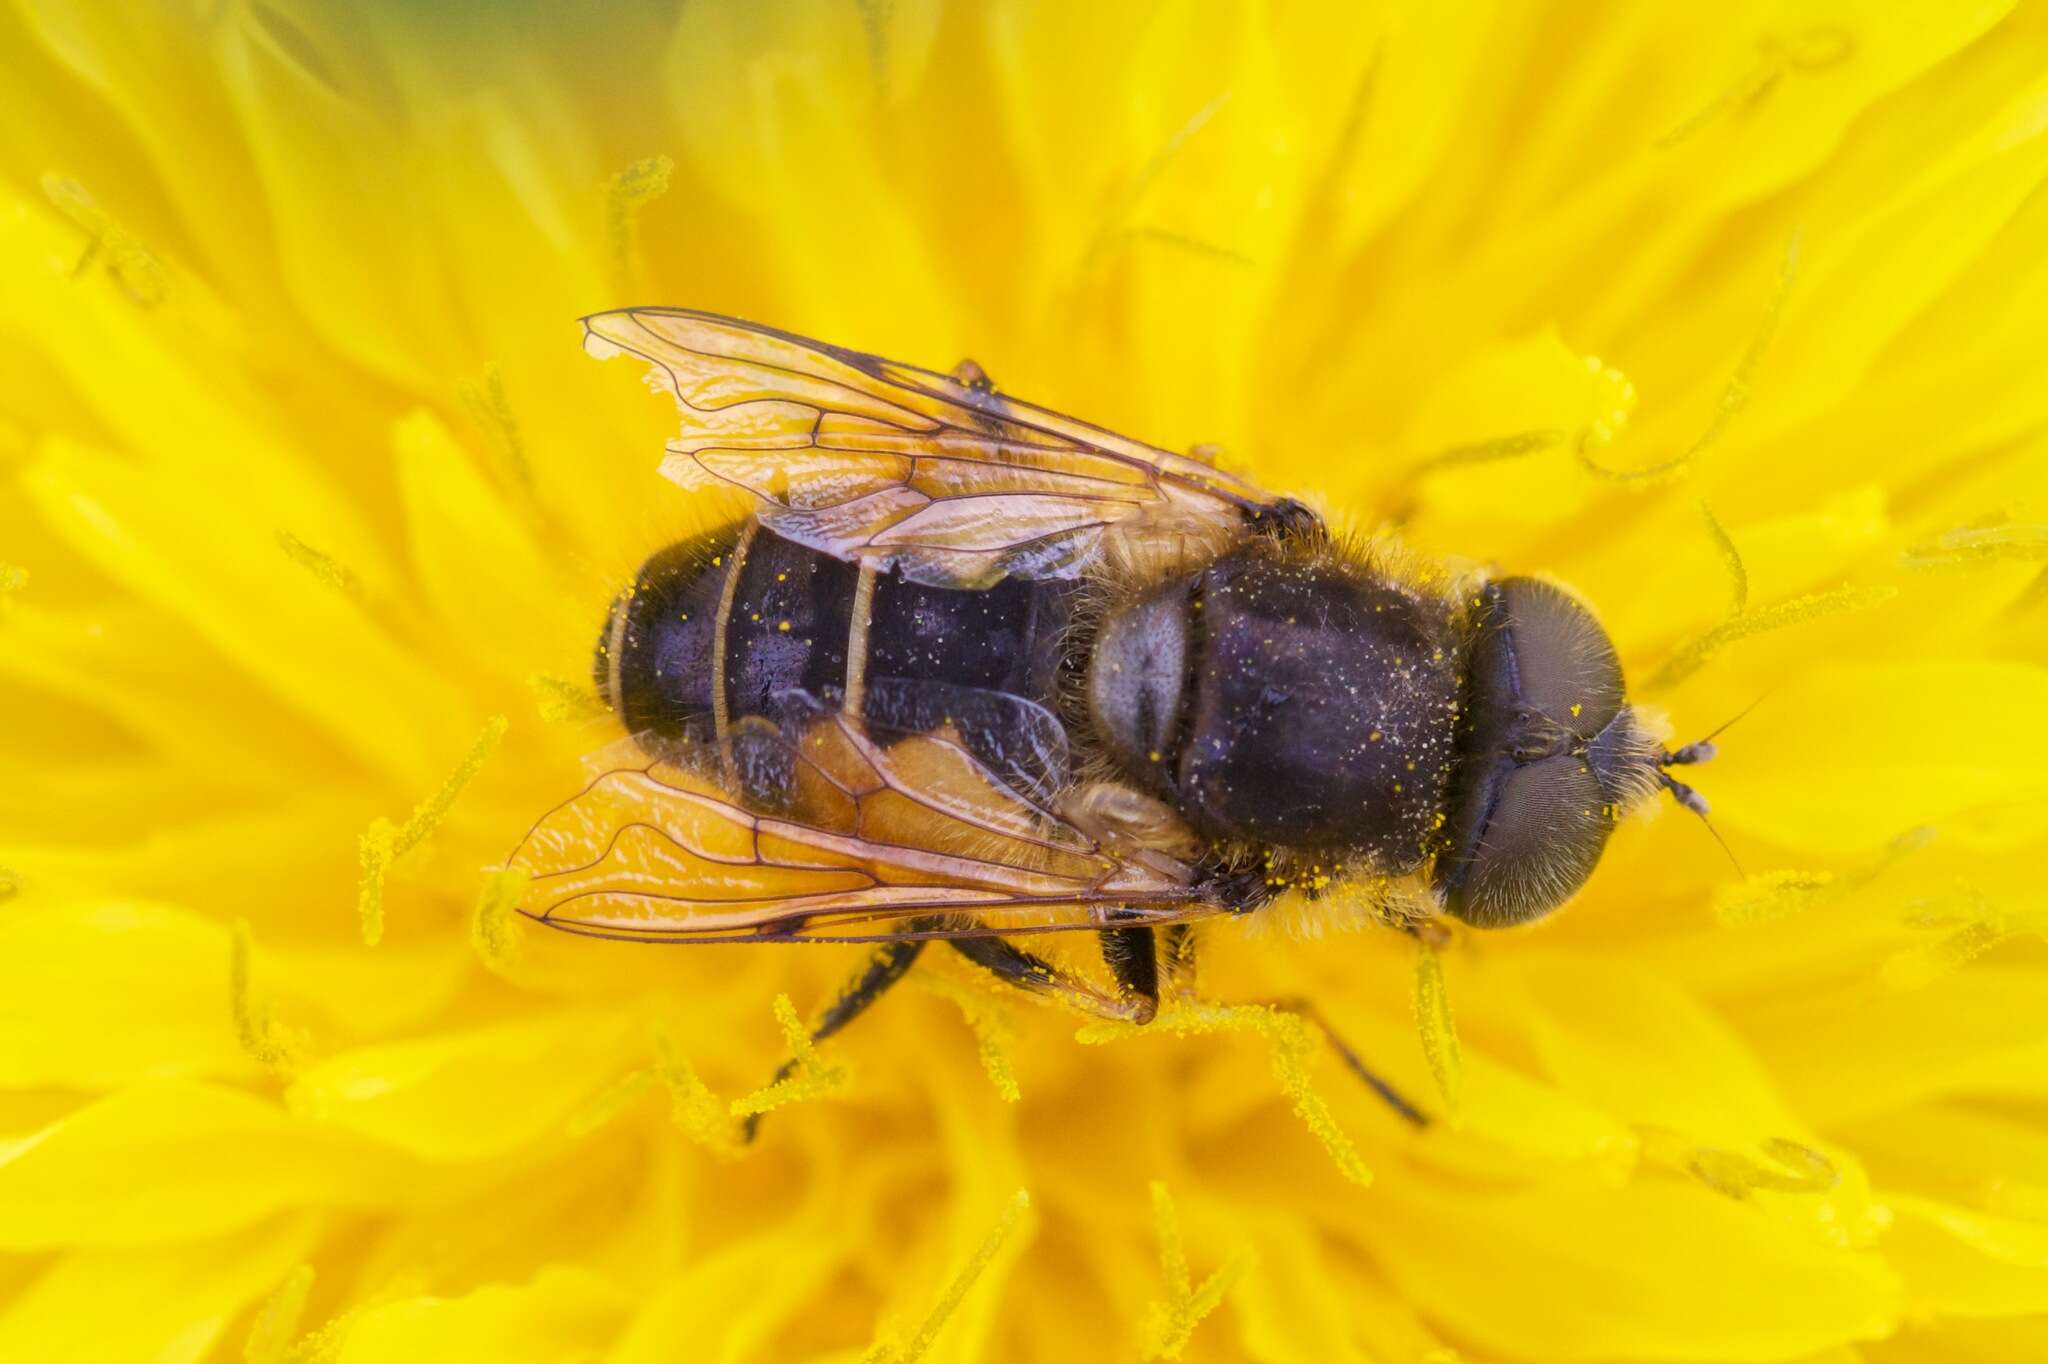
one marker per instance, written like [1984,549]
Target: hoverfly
[973,671]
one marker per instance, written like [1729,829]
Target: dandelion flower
[1731,316]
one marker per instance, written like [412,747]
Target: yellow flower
[1733,316]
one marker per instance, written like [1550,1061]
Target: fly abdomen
[736,623]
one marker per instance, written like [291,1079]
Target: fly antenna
[1697,803]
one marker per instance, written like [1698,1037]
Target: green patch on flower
[1170,1324]
[1288,1039]
[270,1042]
[491,931]
[560,700]
[1437,1030]
[277,1321]
[324,567]
[888,1350]
[809,1075]
[485,401]
[383,843]
[993,1032]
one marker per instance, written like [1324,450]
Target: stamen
[1770,895]
[1116,223]
[384,843]
[1731,558]
[1170,1324]
[1290,1041]
[492,930]
[1815,48]
[277,1322]
[559,700]
[1693,655]
[1488,451]
[1800,1169]
[1985,925]
[271,1043]
[631,190]
[993,1032]
[492,412]
[1437,1029]
[810,1076]
[611,1101]
[374,854]
[874,21]
[1776,894]
[919,1345]
[1181,241]
[1734,396]
[1992,542]
[328,569]
[701,1114]
[134,269]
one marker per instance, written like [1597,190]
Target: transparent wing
[866,459]
[817,829]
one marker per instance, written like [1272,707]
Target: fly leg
[1178,950]
[883,969]
[1132,959]
[1307,1012]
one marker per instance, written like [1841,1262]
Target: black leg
[1012,965]
[1133,957]
[883,969]
[1177,956]
[1308,1013]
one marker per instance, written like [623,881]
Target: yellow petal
[1604,1274]
[1887,746]
[96,995]
[465,1095]
[1962,1262]
[478,565]
[173,1162]
[173,1302]
[562,1315]
[170,544]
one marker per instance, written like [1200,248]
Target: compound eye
[1561,657]
[1539,840]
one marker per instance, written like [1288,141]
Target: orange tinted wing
[866,459]
[819,831]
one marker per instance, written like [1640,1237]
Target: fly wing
[870,460]
[817,829]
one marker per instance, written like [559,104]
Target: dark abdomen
[991,662]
